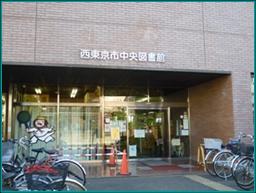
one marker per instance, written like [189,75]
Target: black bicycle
[14,165]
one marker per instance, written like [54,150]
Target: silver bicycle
[225,161]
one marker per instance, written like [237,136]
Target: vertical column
[4,128]
[58,118]
[127,131]
[169,130]
[189,126]
[102,122]
[9,120]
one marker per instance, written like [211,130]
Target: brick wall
[194,36]
[211,112]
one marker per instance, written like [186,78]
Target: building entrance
[148,133]
[146,115]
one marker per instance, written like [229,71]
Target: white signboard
[139,133]
[132,150]
[122,126]
[176,142]
[114,55]
[184,132]
[185,123]
[212,143]
[107,127]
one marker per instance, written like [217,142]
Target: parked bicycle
[44,177]
[13,167]
[234,159]
[233,145]
[243,171]
[225,160]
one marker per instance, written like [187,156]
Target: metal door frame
[189,126]
[148,107]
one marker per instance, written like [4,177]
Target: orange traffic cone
[112,160]
[124,165]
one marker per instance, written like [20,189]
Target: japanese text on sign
[113,55]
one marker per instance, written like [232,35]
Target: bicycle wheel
[222,164]
[235,162]
[244,173]
[75,170]
[69,185]
[20,182]
[10,168]
[16,178]
[209,162]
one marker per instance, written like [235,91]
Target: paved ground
[141,168]
[165,182]
[155,175]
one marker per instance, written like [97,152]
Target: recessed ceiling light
[73,93]
[38,91]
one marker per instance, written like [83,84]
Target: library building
[152,78]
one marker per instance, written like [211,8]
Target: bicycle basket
[234,146]
[37,181]
[40,177]
[7,151]
[247,149]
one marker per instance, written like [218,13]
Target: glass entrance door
[148,133]
[115,128]
[179,132]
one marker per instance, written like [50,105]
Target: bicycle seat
[51,151]
[38,150]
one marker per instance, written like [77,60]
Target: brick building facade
[204,38]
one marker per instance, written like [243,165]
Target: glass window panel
[80,131]
[144,95]
[115,120]
[35,93]
[80,94]
[127,94]
[44,133]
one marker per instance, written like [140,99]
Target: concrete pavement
[155,175]
[164,182]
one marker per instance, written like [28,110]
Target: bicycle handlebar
[23,142]
[242,135]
